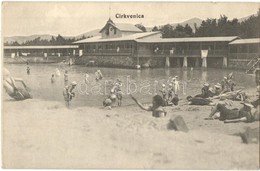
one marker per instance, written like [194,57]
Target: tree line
[222,26]
[59,40]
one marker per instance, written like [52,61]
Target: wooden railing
[108,52]
[197,53]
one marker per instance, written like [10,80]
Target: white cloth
[204,53]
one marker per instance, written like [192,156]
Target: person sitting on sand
[205,93]
[10,86]
[68,93]
[107,103]
[218,90]
[231,85]
[156,108]
[224,84]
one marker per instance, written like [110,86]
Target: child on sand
[109,101]
[156,107]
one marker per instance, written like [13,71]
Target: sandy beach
[45,134]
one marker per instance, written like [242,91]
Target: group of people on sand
[116,94]
[249,112]
[170,93]
[226,91]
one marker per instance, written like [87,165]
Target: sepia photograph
[130,85]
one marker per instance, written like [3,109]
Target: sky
[71,19]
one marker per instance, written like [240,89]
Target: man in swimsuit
[68,93]
[156,108]
[18,93]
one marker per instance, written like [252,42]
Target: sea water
[143,84]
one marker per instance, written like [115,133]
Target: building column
[204,62]
[224,62]
[167,61]
[80,52]
[178,61]
[185,62]
[197,62]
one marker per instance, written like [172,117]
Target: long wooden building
[244,53]
[39,54]
[124,45]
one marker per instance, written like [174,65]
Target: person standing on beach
[164,95]
[176,89]
[99,75]
[28,70]
[117,89]
[155,108]
[52,78]
[86,76]
[57,72]
[170,92]
[68,93]
[66,78]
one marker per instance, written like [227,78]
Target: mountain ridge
[21,39]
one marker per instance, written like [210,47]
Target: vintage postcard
[130,85]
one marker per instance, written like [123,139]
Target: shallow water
[142,83]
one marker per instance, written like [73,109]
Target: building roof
[190,39]
[42,47]
[125,38]
[245,41]
[123,27]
